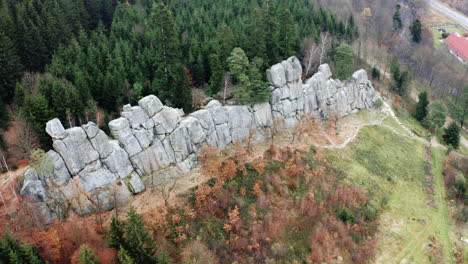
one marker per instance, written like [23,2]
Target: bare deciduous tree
[25,139]
[166,189]
[227,85]
[310,57]
[324,46]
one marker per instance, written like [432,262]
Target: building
[458,46]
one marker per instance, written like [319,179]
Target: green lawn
[437,36]
[410,122]
[391,168]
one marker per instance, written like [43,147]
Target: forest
[81,60]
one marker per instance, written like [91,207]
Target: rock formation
[87,171]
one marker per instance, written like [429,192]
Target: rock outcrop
[87,171]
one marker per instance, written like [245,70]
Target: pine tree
[452,135]
[416,31]
[216,73]
[225,42]
[238,64]
[170,81]
[401,79]
[344,62]
[11,251]
[87,256]
[421,107]
[124,258]
[270,24]
[256,42]
[397,22]
[10,68]
[115,235]
[288,35]
[436,116]
[138,240]
[259,92]
[38,113]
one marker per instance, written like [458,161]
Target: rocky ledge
[88,171]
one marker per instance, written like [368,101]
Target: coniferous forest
[72,59]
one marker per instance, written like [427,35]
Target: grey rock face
[151,104]
[96,179]
[120,129]
[136,185]
[76,150]
[166,120]
[55,129]
[34,190]
[159,142]
[118,162]
[60,174]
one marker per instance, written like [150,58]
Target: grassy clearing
[410,122]
[391,168]
[442,218]
[389,121]
[438,36]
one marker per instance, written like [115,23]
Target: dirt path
[388,113]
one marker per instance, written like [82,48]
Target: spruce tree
[124,257]
[344,59]
[452,135]
[256,42]
[139,243]
[287,34]
[259,92]
[87,256]
[270,27]
[170,82]
[238,64]
[397,22]
[421,110]
[216,73]
[225,42]
[11,69]
[436,116]
[416,31]
[115,234]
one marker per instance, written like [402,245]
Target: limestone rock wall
[89,171]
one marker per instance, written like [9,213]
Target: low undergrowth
[286,207]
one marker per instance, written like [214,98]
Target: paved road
[458,17]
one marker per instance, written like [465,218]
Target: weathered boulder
[60,174]
[136,116]
[76,150]
[55,129]
[277,75]
[120,129]
[91,129]
[136,185]
[34,190]
[99,178]
[166,120]
[118,161]
[151,104]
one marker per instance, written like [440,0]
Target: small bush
[378,104]
[452,135]
[375,73]
[445,35]
[197,253]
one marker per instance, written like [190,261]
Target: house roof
[458,45]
